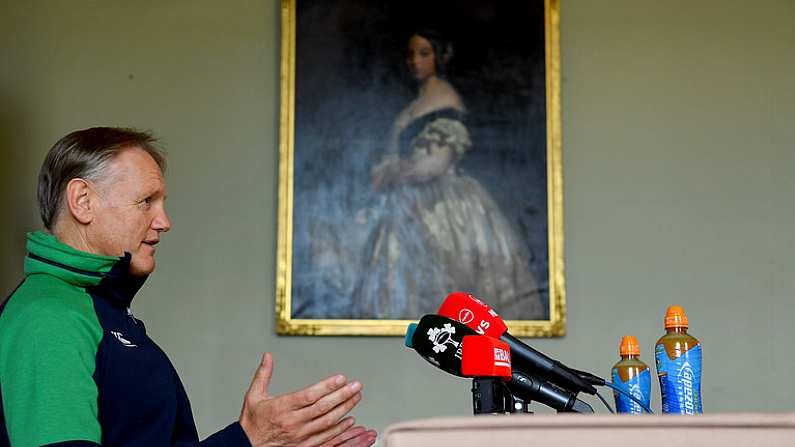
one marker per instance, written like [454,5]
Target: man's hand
[306,418]
[353,437]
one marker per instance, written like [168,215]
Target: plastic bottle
[631,375]
[678,356]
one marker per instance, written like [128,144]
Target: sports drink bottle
[678,358]
[631,375]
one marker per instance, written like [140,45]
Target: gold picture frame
[319,37]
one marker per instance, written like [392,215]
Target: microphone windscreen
[476,314]
[438,340]
[483,356]
[409,334]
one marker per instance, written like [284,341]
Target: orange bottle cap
[629,345]
[675,318]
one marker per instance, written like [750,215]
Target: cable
[618,389]
[604,402]
[598,381]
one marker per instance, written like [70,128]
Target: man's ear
[80,200]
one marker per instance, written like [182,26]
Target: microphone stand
[491,396]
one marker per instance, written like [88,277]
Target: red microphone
[485,357]
[474,313]
[478,316]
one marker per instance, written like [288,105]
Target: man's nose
[162,222]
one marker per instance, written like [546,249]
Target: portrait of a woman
[420,161]
[439,229]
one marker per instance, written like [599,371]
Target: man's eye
[146,203]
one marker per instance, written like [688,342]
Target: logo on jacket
[123,340]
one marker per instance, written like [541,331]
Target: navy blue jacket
[78,369]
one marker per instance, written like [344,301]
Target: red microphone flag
[485,357]
[476,314]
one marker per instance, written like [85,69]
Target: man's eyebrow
[152,190]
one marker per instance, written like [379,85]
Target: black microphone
[487,357]
[441,342]
[531,388]
[438,340]
[554,371]
[481,318]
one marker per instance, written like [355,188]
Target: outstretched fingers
[365,438]
[331,417]
[353,437]
[330,402]
[314,393]
[322,438]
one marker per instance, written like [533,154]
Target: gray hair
[86,154]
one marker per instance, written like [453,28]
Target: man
[76,367]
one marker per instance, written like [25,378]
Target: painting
[420,155]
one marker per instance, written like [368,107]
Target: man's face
[131,211]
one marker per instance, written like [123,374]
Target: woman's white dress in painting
[440,235]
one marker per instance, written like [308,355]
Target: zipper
[66,267]
[132,317]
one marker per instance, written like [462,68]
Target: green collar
[48,255]
[105,276]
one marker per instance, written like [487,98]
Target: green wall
[678,159]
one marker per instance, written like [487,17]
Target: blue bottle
[678,356]
[631,375]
